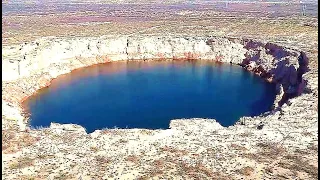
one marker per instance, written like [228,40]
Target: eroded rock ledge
[47,58]
[199,144]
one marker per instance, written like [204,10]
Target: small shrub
[132,158]
[123,141]
[22,162]
[247,171]
[306,133]
[27,140]
[313,147]
[7,138]
[238,147]
[271,150]
[94,148]
[62,176]
[102,161]
[159,164]
[246,134]
[177,152]
[146,132]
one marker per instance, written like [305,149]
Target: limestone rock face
[55,56]
[36,56]
[206,124]
[67,127]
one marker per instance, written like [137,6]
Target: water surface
[148,94]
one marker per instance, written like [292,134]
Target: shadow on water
[265,102]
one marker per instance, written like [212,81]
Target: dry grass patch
[246,134]
[313,147]
[45,156]
[27,140]
[94,149]
[297,163]
[268,170]
[306,133]
[28,177]
[150,174]
[122,141]
[12,142]
[247,171]
[133,158]
[271,150]
[63,176]
[102,161]
[159,164]
[112,132]
[146,132]
[22,162]
[268,153]
[172,150]
[7,137]
[155,172]
[238,147]
[70,137]
[199,171]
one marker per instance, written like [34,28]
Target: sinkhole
[148,94]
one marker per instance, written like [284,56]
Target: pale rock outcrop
[67,127]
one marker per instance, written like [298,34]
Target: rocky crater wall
[47,58]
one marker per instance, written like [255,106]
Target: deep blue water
[149,94]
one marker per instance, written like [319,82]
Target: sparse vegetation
[94,148]
[62,176]
[238,147]
[7,138]
[174,151]
[133,158]
[313,147]
[28,177]
[102,161]
[247,171]
[123,141]
[146,132]
[297,163]
[306,133]
[246,134]
[21,162]
[271,150]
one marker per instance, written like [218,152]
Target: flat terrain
[27,22]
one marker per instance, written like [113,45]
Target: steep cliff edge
[48,58]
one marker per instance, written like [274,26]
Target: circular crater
[148,94]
